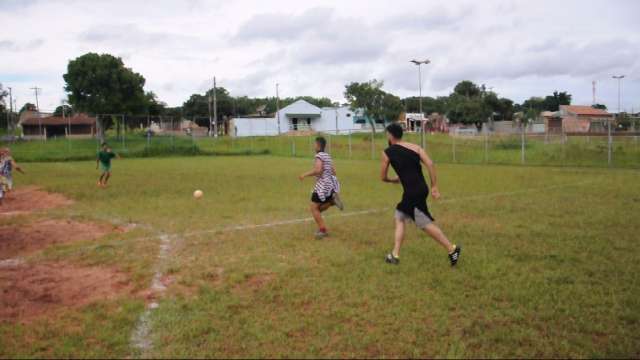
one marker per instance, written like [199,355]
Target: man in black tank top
[407,160]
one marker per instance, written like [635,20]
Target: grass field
[549,266]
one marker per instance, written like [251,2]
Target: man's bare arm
[431,169]
[384,171]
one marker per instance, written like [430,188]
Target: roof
[301,107]
[584,110]
[80,119]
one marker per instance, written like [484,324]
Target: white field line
[141,336]
[373,211]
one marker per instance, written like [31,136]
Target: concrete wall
[241,127]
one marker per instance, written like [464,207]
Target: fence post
[124,132]
[373,146]
[350,154]
[293,147]
[453,146]
[522,144]
[610,143]
[486,147]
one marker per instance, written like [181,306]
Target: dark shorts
[316,199]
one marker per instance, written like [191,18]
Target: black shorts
[316,199]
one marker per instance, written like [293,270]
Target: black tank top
[406,163]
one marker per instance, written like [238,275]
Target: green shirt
[105,157]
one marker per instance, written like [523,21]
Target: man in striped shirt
[326,189]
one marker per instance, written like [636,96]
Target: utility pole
[422,121]
[9,119]
[278,106]
[215,110]
[37,90]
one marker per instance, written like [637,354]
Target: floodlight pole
[422,121]
[619,78]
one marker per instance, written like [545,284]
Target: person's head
[321,143]
[394,133]
[105,146]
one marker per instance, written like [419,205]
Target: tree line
[102,84]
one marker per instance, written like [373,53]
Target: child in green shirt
[103,161]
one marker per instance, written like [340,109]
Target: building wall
[241,127]
[345,121]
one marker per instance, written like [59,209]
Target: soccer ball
[198,194]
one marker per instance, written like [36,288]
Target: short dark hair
[322,142]
[104,144]
[395,130]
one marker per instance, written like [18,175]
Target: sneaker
[390,259]
[455,255]
[321,234]
[337,201]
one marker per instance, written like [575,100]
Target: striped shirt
[326,182]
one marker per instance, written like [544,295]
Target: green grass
[504,150]
[549,266]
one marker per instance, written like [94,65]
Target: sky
[517,48]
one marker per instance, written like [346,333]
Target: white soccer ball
[198,194]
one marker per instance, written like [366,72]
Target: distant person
[326,189]
[105,155]
[407,159]
[7,165]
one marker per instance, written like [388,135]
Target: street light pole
[422,121]
[619,78]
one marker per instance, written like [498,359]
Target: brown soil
[29,198]
[255,282]
[28,291]
[16,240]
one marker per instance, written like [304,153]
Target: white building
[302,116]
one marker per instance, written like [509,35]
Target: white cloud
[314,48]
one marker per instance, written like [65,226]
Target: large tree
[467,89]
[68,110]
[378,105]
[27,107]
[553,102]
[101,84]
[3,94]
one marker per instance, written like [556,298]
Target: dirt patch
[255,282]
[16,240]
[30,291]
[30,198]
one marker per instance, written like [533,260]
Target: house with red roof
[76,126]
[578,119]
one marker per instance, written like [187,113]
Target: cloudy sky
[518,48]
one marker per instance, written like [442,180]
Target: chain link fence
[140,136]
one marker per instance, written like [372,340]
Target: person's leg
[317,216]
[399,237]
[434,231]
[100,181]
[107,175]
[325,206]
